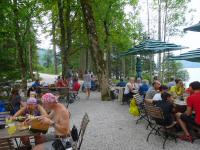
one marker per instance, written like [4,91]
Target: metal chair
[9,107]
[81,133]
[6,144]
[161,130]
[140,104]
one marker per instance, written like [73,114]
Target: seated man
[143,88]
[58,119]
[59,82]
[167,107]
[37,86]
[121,83]
[192,105]
[157,96]
[152,91]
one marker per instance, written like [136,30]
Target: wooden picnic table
[19,133]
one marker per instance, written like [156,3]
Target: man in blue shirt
[121,83]
[37,86]
[36,83]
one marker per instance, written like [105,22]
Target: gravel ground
[111,127]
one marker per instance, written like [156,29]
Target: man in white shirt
[157,97]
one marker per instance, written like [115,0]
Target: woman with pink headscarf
[34,109]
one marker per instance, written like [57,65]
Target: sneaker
[186,138]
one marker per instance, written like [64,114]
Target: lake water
[194,74]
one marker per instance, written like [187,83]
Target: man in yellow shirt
[178,89]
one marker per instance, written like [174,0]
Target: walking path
[111,127]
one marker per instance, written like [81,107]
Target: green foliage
[174,69]
[49,69]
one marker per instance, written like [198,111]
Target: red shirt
[193,101]
[76,86]
[60,83]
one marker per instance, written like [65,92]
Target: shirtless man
[58,119]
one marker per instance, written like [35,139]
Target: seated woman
[30,90]
[178,89]
[129,90]
[31,108]
[16,100]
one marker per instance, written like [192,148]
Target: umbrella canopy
[193,56]
[152,47]
[195,27]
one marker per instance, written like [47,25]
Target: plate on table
[20,118]
[178,102]
[22,126]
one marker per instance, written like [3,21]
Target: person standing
[87,83]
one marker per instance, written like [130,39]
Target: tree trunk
[87,60]
[68,32]
[19,47]
[165,20]
[159,37]
[107,48]
[62,38]
[54,46]
[148,17]
[96,52]
[30,61]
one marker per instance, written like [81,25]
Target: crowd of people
[164,96]
[48,111]
[51,112]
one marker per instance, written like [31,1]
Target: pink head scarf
[32,100]
[49,98]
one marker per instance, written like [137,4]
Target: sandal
[186,138]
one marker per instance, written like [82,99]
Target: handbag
[133,110]
[57,145]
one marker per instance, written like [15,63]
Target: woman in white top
[129,90]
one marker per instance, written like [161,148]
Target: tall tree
[62,36]
[95,50]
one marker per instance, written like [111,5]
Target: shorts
[87,85]
[189,119]
[51,138]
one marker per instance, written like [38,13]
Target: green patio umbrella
[195,28]
[150,46]
[193,56]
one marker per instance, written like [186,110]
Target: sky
[190,39]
